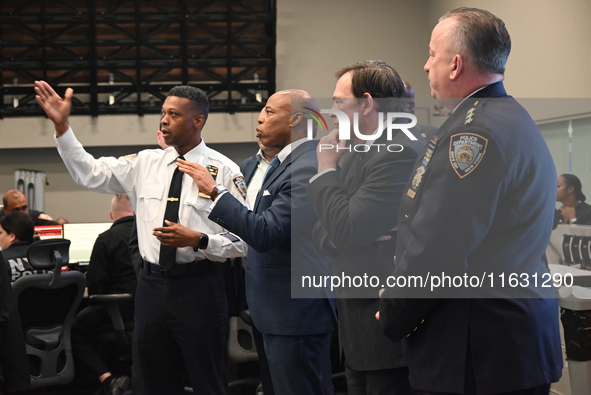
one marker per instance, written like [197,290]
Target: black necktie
[272,166]
[168,254]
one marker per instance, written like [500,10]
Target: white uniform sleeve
[226,244]
[106,174]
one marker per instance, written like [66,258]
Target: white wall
[318,37]
[551,44]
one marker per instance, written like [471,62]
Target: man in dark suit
[356,208]
[479,207]
[296,331]
[253,169]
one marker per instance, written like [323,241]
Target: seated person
[574,210]
[109,272]
[15,200]
[17,232]
[14,367]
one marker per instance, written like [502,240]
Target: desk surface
[581,277]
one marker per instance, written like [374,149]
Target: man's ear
[457,67]
[11,237]
[295,119]
[368,103]
[198,121]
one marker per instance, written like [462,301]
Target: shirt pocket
[197,203]
[150,201]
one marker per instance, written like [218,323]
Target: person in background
[160,139]
[574,210]
[109,272]
[15,200]
[17,232]
[426,131]
[14,366]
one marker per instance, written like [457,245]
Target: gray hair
[481,37]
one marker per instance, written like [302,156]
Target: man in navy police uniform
[480,201]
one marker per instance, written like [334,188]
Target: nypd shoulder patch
[240,184]
[466,151]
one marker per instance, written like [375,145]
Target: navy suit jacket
[479,204]
[279,234]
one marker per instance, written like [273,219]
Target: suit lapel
[249,170]
[280,169]
[292,157]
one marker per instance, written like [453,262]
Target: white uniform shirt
[146,178]
[256,182]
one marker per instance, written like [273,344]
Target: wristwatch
[218,189]
[202,242]
[572,221]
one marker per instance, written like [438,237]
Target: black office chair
[115,343]
[242,353]
[47,304]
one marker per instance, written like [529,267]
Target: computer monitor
[49,231]
[82,238]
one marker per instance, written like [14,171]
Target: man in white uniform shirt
[181,321]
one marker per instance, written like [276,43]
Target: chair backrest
[47,304]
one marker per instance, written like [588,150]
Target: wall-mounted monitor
[82,238]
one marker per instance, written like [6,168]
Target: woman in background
[574,210]
[17,231]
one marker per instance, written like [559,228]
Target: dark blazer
[355,207]
[279,232]
[481,205]
[110,270]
